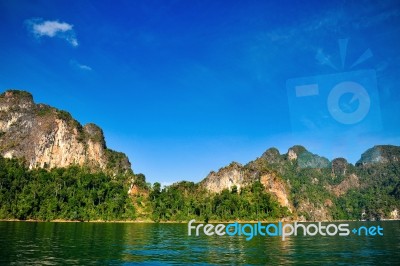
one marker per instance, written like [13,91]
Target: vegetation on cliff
[76,193]
[185,200]
[52,167]
[46,137]
[72,193]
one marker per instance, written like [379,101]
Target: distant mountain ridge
[289,176]
[45,137]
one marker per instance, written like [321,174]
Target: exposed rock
[328,203]
[225,178]
[306,159]
[295,151]
[339,166]
[135,190]
[46,137]
[276,187]
[239,176]
[380,154]
[351,181]
[310,160]
[314,212]
[292,155]
[394,214]
[314,181]
[276,172]
[272,156]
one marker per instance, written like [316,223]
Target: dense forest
[374,197]
[297,185]
[186,200]
[71,193]
[76,193]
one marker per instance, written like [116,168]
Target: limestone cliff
[274,185]
[380,154]
[45,137]
[237,175]
[312,187]
[227,177]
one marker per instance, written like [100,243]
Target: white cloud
[40,28]
[80,66]
[84,67]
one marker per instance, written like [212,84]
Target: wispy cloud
[337,21]
[52,28]
[372,20]
[80,66]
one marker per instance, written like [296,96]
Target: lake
[28,243]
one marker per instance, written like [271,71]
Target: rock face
[226,178]
[350,182]
[339,166]
[272,156]
[380,154]
[310,160]
[237,175]
[277,187]
[306,159]
[295,151]
[310,186]
[46,137]
[394,214]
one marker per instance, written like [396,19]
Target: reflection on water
[102,243]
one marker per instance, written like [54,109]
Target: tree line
[72,193]
[76,193]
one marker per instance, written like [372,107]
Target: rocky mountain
[297,185]
[45,137]
[380,154]
[239,176]
[227,177]
[314,188]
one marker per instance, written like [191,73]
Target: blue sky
[186,87]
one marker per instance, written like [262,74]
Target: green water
[28,243]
